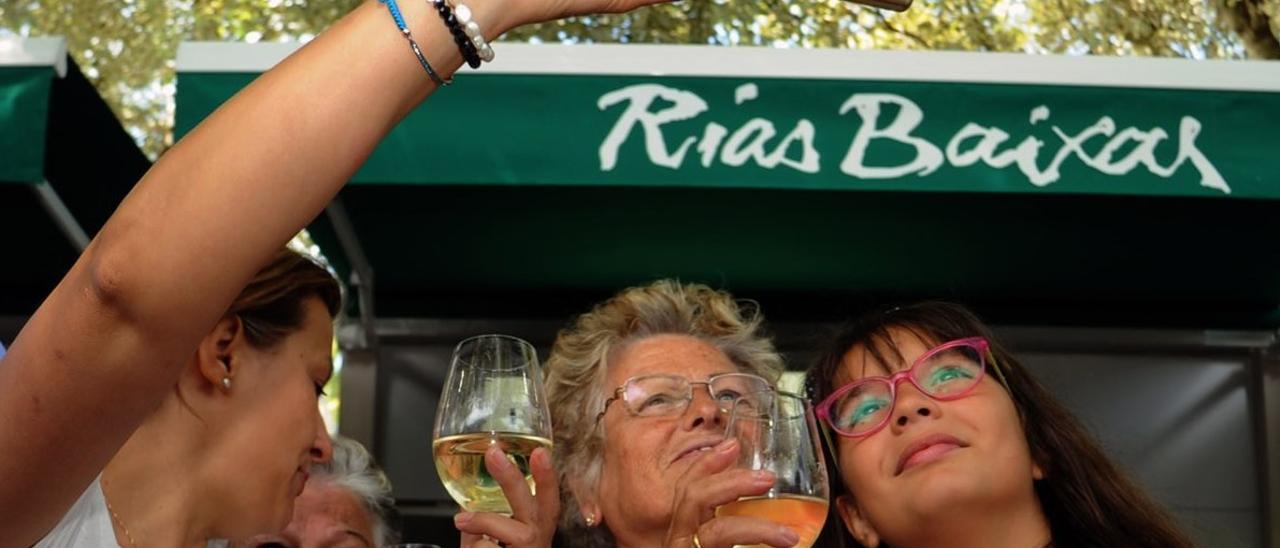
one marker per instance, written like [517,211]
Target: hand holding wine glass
[710,482]
[492,442]
[778,434]
[532,523]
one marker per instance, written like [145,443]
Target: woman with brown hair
[145,308]
[229,446]
[941,438]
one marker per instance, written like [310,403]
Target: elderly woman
[345,504]
[638,389]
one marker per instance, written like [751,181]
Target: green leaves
[1167,28]
[127,47]
[1256,22]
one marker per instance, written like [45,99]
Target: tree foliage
[127,47]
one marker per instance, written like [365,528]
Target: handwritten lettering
[888,118]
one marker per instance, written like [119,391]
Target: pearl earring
[226,383]
[591,520]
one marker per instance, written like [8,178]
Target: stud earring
[226,383]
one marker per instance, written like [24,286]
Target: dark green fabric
[24,112]
[552,129]
[497,199]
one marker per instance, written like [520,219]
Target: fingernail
[496,458]
[727,445]
[463,518]
[790,537]
[762,476]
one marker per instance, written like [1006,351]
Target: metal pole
[358,415]
[1267,412]
[61,215]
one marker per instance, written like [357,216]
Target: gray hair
[579,360]
[352,468]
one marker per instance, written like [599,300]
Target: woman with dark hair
[941,438]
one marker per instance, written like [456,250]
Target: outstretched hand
[537,11]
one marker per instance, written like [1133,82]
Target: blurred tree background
[127,47]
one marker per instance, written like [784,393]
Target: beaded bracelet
[472,28]
[465,45]
[413,44]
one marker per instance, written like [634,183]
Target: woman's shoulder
[87,524]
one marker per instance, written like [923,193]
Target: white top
[86,525]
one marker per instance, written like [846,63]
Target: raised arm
[107,345]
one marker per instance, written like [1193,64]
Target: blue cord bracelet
[413,44]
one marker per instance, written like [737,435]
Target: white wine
[804,515]
[460,463]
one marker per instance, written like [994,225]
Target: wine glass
[777,432]
[492,396]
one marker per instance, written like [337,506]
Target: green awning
[1047,189]
[65,163]
[27,70]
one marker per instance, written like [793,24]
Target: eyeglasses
[666,395]
[949,371]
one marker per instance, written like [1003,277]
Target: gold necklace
[115,518]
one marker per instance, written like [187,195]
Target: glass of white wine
[777,432]
[492,396]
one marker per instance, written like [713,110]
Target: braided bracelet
[413,44]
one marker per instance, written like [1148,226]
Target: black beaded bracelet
[460,37]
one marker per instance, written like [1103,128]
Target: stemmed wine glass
[777,432]
[492,396]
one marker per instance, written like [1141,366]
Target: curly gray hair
[352,468]
[580,357]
